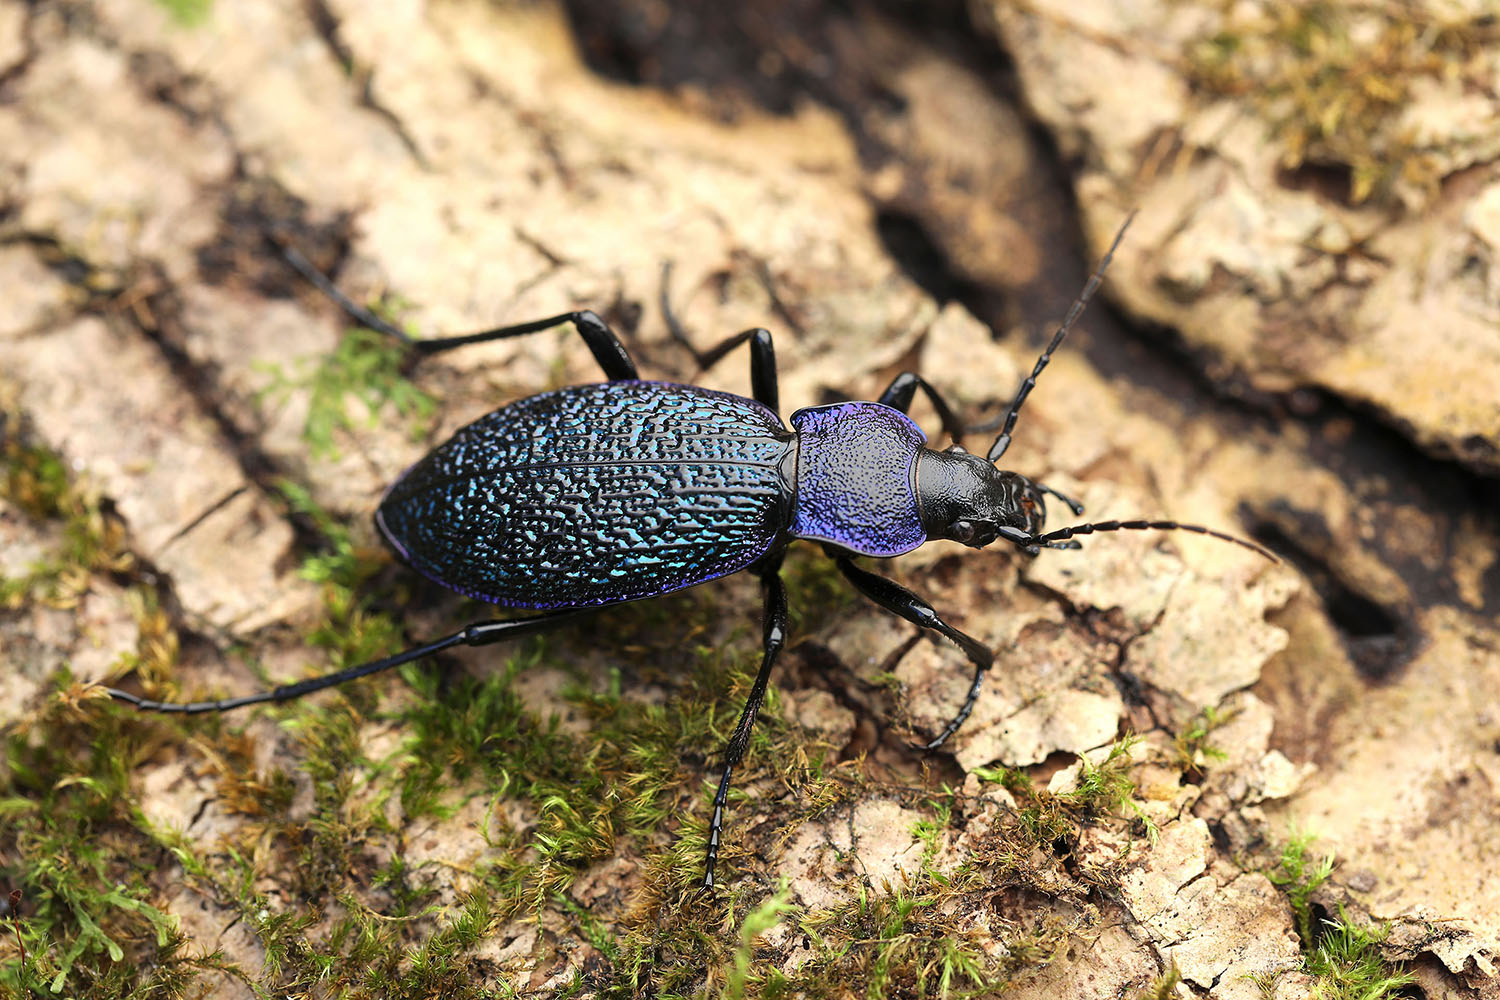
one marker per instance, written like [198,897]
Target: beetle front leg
[898,600]
[775,638]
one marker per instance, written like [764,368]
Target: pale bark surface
[478,169]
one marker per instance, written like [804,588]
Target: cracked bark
[474,167]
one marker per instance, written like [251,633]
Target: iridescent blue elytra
[595,494]
[598,494]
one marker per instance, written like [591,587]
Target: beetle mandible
[593,495]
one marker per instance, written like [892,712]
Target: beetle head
[966,499]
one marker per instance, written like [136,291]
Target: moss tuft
[1335,81]
[92,539]
[1347,963]
[1299,876]
[365,368]
[1341,955]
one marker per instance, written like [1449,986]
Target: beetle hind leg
[477,634]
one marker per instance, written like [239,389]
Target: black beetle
[628,489]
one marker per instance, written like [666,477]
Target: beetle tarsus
[963,713]
[900,601]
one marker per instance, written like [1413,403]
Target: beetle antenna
[1003,441]
[1060,539]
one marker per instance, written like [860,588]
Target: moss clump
[1165,987]
[1299,875]
[1347,965]
[1192,747]
[1334,81]
[92,540]
[365,368]
[1341,955]
[918,939]
[84,863]
[78,855]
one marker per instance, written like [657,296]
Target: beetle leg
[477,634]
[904,386]
[898,600]
[775,638]
[1073,505]
[763,379]
[601,340]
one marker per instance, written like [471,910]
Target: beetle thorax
[966,499]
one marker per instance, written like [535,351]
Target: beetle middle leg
[900,601]
[764,385]
[602,342]
[763,380]
[775,638]
[904,387]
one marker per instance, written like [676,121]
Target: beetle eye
[962,531]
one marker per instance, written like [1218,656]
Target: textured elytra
[856,485]
[593,495]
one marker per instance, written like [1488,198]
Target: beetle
[572,500]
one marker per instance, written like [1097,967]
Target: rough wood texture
[862,186]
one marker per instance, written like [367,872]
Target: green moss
[758,921]
[1299,876]
[916,941]
[77,850]
[84,861]
[365,368]
[91,540]
[1341,955]
[1335,80]
[1165,987]
[1192,745]
[639,766]
[1347,965]
[188,13]
[1107,787]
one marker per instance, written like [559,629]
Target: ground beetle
[598,494]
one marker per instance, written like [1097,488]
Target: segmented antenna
[1063,534]
[1003,441]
